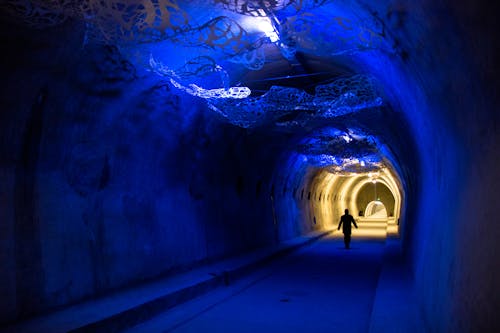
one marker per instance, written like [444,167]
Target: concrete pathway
[118,311]
[319,288]
[290,287]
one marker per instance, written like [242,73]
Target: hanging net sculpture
[254,7]
[221,33]
[138,21]
[258,111]
[342,154]
[346,166]
[361,147]
[264,7]
[304,25]
[342,96]
[215,31]
[356,166]
[284,105]
[330,35]
[346,95]
[195,68]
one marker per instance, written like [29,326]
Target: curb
[149,309]
[113,313]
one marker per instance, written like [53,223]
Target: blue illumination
[328,148]
[193,41]
[229,31]
[342,96]
[199,68]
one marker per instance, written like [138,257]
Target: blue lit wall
[111,176]
[451,119]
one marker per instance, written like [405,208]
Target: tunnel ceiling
[273,65]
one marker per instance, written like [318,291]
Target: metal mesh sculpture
[350,166]
[342,96]
[257,111]
[353,152]
[330,35]
[196,67]
[264,7]
[138,21]
[254,7]
[304,25]
[116,21]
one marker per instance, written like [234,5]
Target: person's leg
[347,240]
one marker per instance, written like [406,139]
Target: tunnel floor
[319,288]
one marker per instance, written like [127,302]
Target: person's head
[346,211]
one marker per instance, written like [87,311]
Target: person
[346,220]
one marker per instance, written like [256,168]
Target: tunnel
[144,139]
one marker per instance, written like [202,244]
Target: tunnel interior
[144,138]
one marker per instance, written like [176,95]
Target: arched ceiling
[281,65]
[296,43]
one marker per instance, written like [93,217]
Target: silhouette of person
[346,220]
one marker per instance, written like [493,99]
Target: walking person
[346,221]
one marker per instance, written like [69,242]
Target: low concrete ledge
[127,308]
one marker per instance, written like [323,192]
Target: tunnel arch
[366,185]
[375,191]
[332,191]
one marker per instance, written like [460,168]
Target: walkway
[319,288]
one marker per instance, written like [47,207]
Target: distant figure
[347,219]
